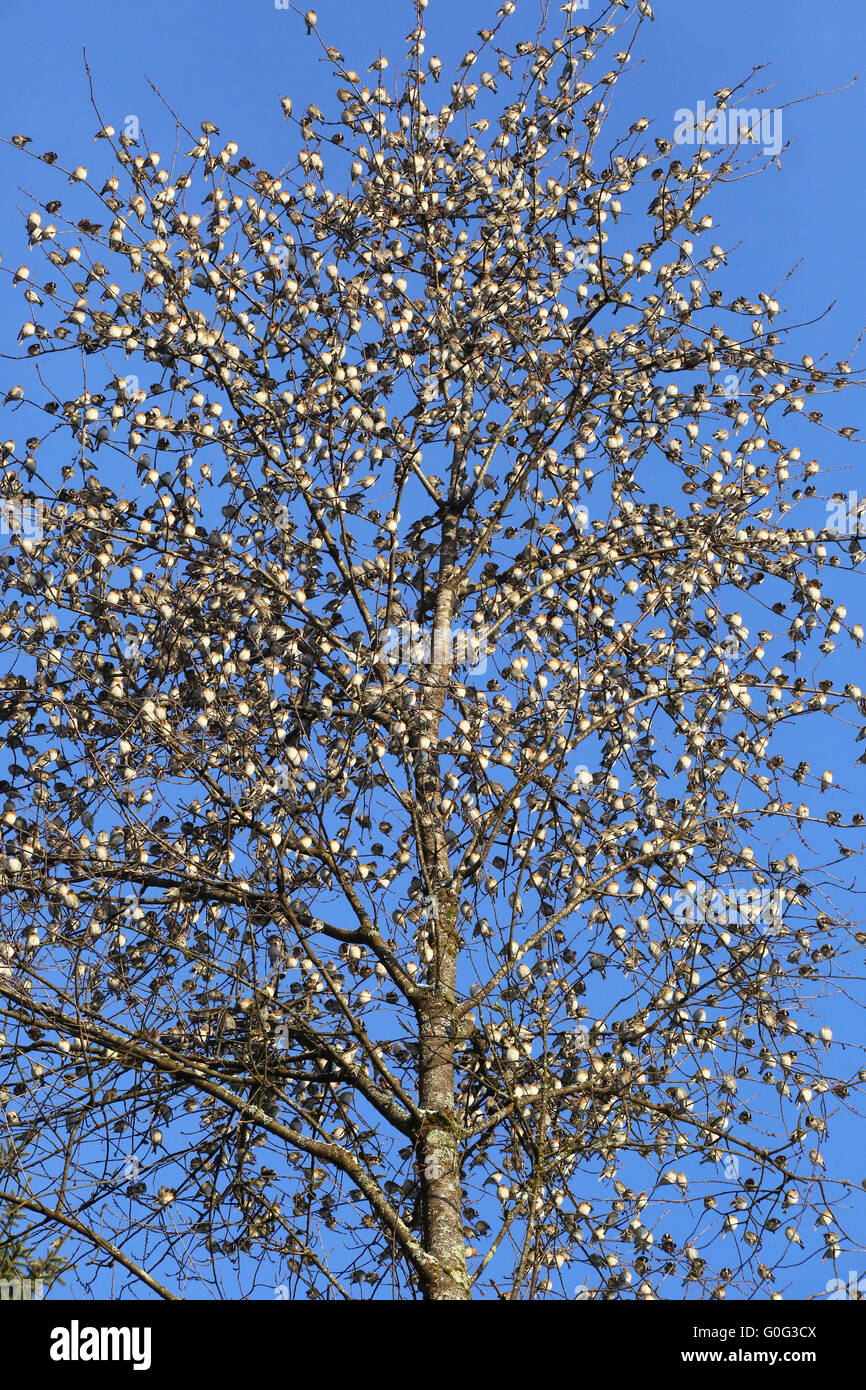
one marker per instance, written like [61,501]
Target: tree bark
[438,1146]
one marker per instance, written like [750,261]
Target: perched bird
[276,949]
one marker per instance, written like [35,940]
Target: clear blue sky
[231,62]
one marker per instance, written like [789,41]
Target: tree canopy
[411,882]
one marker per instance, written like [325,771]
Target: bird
[310,19]
[276,949]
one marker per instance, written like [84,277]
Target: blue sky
[231,63]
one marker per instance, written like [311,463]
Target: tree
[398,863]
[24,1274]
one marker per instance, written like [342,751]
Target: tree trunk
[439,1142]
[439,1146]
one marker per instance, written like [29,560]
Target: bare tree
[399,868]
